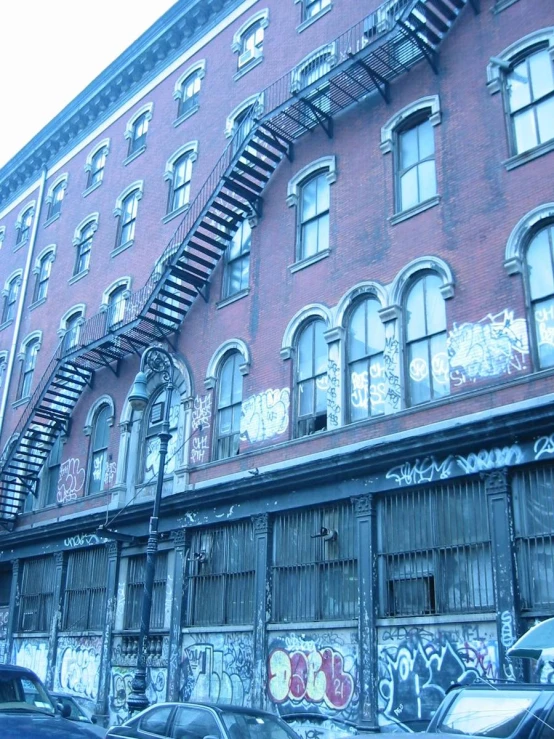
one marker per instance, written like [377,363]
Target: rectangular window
[128,218]
[221,576]
[56,201]
[85,592]
[237,261]
[314,7]
[37,594]
[96,174]
[314,216]
[530,90]
[41,285]
[417,180]
[315,570]
[434,551]
[135,590]
[533,491]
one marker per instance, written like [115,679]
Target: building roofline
[177,29]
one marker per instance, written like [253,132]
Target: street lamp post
[158,361]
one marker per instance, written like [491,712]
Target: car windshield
[23,693]
[487,713]
[252,726]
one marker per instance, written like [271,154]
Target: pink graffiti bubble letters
[315,677]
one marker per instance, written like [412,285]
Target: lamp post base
[137,700]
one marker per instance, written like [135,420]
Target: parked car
[28,712]
[504,711]
[77,712]
[200,720]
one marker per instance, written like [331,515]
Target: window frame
[544,224]
[412,124]
[194,74]
[186,155]
[243,255]
[137,142]
[28,356]
[86,587]
[99,445]
[127,220]
[40,599]
[11,295]
[83,246]
[55,197]
[134,589]
[308,424]
[51,474]
[227,446]
[43,271]
[249,56]
[95,174]
[24,224]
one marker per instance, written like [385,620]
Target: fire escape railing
[361,61]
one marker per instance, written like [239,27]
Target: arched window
[55,196]
[83,247]
[3,365]
[29,358]
[71,328]
[11,293]
[96,163]
[366,368]
[187,91]
[313,8]
[153,423]
[117,301]
[241,120]
[540,277]
[23,226]
[311,379]
[179,174]
[425,332]
[250,43]
[43,271]
[229,405]
[99,450]
[139,129]
[237,261]
[127,210]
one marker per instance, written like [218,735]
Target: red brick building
[337,217]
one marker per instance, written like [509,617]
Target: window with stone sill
[425,341]
[30,351]
[83,247]
[3,366]
[312,8]
[128,218]
[99,450]
[313,216]
[416,179]
[529,85]
[365,346]
[237,261]
[11,293]
[311,379]
[24,227]
[43,277]
[251,44]
[179,182]
[72,329]
[189,93]
[117,302]
[55,199]
[51,474]
[97,166]
[229,406]
[139,130]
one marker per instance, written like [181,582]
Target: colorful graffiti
[71,480]
[417,666]
[120,689]
[31,653]
[496,345]
[264,415]
[78,665]
[317,673]
[217,670]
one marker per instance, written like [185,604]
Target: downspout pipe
[22,296]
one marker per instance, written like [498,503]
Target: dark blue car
[27,711]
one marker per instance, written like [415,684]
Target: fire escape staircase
[366,59]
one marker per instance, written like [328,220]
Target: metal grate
[315,570]
[37,594]
[85,592]
[533,495]
[221,575]
[434,551]
[135,591]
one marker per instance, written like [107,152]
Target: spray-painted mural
[4,616]
[496,345]
[31,653]
[265,415]
[120,689]
[217,667]
[70,481]
[78,665]
[418,665]
[315,672]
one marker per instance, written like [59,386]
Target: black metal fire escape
[365,59]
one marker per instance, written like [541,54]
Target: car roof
[219,707]
[16,670]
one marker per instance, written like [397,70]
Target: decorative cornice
[175,31]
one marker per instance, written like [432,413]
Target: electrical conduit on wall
[22,295]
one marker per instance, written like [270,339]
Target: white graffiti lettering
[265,415]
[71,480]
[199,449]
[496,345]
[202,411]
[423,470]
[544,445]
[490,459]
[82,540]
[506,629]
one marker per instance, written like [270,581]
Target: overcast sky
[51,49]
